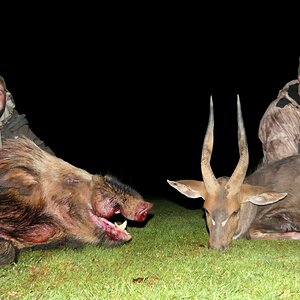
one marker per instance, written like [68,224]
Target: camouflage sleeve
[26,131]
[279,132]
[18,126]
[279,129]
[284,90]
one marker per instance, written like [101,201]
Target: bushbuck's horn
[237,178]
[209,179]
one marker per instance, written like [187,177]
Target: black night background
[131,98]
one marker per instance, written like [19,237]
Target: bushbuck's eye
[236,212]
[209,219]
[206,211]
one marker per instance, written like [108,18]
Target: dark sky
[132,99]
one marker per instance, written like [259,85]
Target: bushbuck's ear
[189,188]
[260,195]
[267,198]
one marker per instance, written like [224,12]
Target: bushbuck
[264,205]
[46,201]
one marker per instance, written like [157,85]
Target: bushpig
[45,200]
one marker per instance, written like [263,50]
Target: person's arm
[18,126]
[26,131]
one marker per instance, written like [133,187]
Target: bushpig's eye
[71,179]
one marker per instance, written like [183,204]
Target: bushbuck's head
[224,197]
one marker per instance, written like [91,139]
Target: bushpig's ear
[21,179]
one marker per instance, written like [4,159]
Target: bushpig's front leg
[7,252]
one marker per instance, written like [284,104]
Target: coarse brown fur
[45,200]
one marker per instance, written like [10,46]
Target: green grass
[166,259]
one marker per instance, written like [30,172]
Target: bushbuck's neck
[247,215]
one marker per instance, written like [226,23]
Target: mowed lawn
[167,258]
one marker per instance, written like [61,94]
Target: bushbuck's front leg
[281,226]
[255,234]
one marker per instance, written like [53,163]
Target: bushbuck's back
[282,217]
[237,206]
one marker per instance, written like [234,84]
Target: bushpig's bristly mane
[21,152]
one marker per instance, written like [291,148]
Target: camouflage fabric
[279,129]
[13,125]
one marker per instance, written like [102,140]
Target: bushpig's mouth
[114,231]
[103,211]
